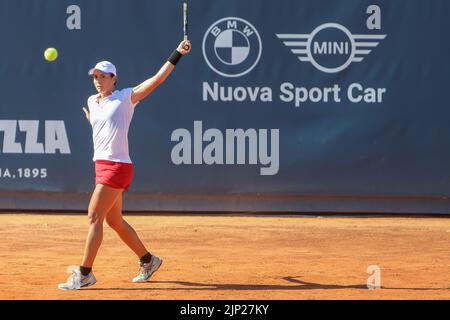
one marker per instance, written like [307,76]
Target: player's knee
[114,223]
[94,218]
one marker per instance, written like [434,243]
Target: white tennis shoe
[77,281]
[147,269]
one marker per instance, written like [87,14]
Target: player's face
[103,82]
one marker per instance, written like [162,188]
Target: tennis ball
[51,54]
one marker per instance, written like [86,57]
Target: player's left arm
[145,88]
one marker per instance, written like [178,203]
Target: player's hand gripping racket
[185,24]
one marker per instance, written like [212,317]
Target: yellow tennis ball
[51,54]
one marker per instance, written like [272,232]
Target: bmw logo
[232,47]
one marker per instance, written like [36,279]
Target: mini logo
[232,47]
[331,47]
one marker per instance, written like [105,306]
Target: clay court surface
[232,257]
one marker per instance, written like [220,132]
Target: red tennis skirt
[113,174]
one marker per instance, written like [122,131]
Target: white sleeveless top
[110,120]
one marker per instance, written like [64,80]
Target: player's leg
[101,202]
[128,235]
[148,263]
[103,198]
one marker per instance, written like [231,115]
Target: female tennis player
[110,113]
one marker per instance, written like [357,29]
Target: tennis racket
[185,23]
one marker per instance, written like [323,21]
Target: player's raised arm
[146,87]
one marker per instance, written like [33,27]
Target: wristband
[175,57]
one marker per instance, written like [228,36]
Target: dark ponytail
[113,75]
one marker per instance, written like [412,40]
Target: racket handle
[185,20]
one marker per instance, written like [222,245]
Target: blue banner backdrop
[291,99]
